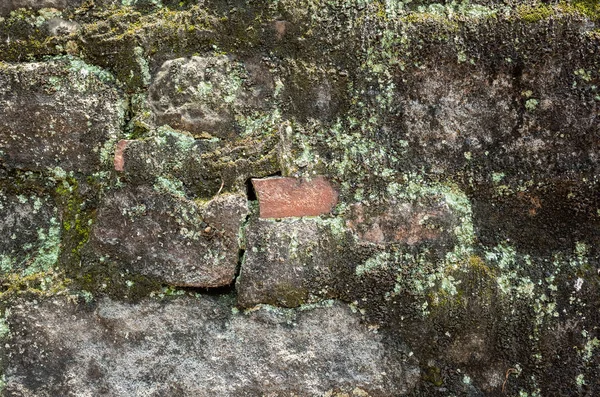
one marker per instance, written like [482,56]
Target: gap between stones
[229,289]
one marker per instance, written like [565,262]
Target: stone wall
[299,198]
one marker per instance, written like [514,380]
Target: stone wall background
[459,143]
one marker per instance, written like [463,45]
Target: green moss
[433,375]
[76,220]
[290,295]
[535,13]
[44,284]
[589,8]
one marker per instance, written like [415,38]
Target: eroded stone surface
[175,240]
[205,94]
[197,347]
[201,167]
[58,114]
[294,197]
[501,122]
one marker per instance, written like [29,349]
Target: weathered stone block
[202,167]
[206,94]
[294,197]
[10,5]
[197,347]
[175,240]
[293,261]
[57,114]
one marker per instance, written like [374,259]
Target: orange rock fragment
[294,197]
[120,155]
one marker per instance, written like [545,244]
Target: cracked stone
[167,237]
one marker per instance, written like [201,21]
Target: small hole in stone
[250,192]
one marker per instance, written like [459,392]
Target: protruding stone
[217,89]
[294,197]
[164,236]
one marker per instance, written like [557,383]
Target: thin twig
[508,372]
[221,188]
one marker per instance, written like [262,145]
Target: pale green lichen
[4,328]
[170,186]
[376,262]
[531,104]
[143,65]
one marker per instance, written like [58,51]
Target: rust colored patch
[120,155]
[294,197]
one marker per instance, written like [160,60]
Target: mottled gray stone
[30,227]
[57,114]
[293,261]
[59,26]
[198,347]
[500,123]
[405,222]
[179,241]
[206,94]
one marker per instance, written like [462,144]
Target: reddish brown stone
[402,223]
[294,197]
[120,154]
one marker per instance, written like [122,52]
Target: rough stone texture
[205,94]
[57,114]
[9,5]
[294,197]
[283,263]
[403,222]
[461,138]
[197,347]
[31,227]
[202,167]
[290,262]
[173,239]
[502,121]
